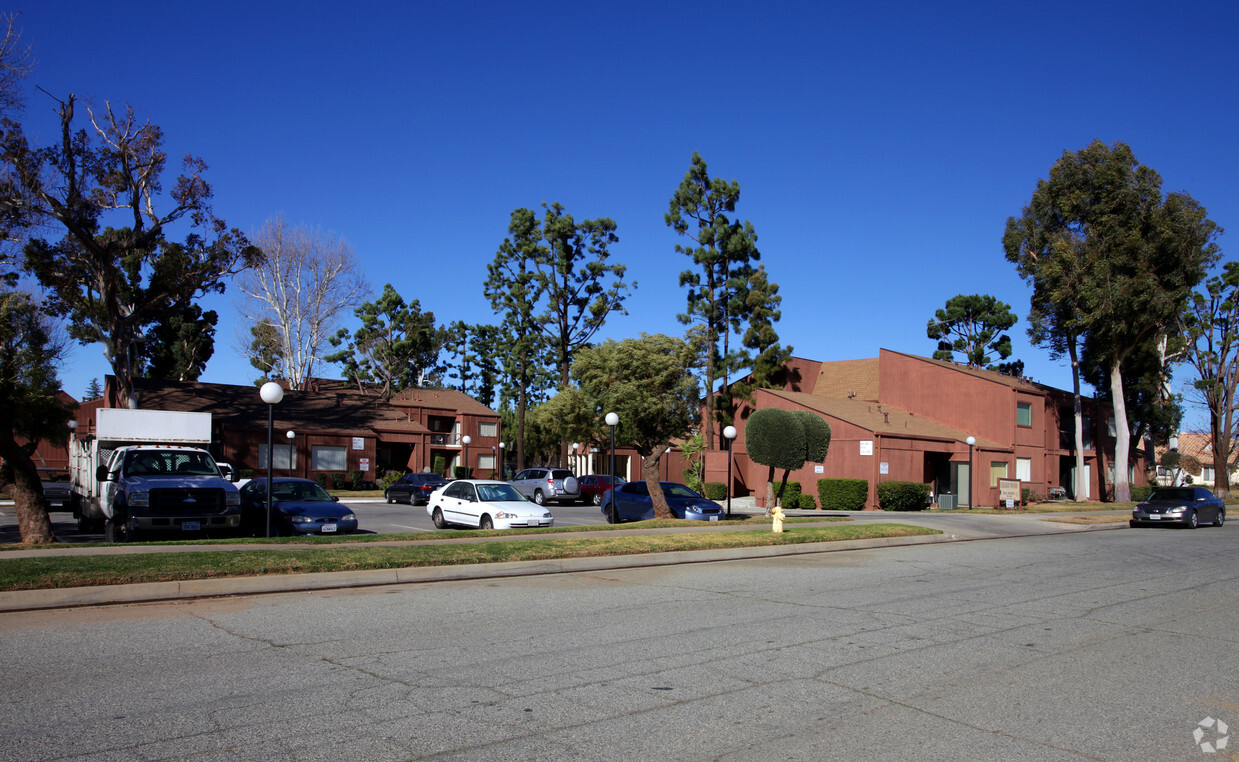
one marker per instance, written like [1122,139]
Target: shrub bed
[843,494]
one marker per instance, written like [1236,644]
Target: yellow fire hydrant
[778,514]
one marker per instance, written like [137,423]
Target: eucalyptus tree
[1211,347]
[115,271]
[723,251]
[1140,254]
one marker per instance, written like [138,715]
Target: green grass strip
[83,571]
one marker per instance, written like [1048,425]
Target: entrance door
[1087,486]
[961,483]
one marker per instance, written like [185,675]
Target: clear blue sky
[880,147]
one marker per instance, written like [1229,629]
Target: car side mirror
[101,474]
[335,498]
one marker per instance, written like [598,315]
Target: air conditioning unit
[946,502]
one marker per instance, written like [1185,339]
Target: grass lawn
[293,557]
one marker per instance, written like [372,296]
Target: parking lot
[374,515]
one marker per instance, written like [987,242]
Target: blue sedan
[632,502]
[298,506]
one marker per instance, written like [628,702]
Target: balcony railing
[445,439]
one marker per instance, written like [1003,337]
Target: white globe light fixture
[613,420]
[971,443]
[466,439]
[272,394]
[730,434]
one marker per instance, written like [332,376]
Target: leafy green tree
[776,439]
[721,295]
[1052,263]
[650,384]
[972,325]
[30,409]
[395,347]
[93,391]
[266,351]
[1211,347]
[179,347]
[816,436]
[109,283]
[1141,253]
[768,357]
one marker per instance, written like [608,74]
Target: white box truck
[147,471]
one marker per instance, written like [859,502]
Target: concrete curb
[149,592]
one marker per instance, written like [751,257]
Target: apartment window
[997,470]
[1023,414]
[1023,469]
[284,457]
[488,430]
[486,462]
[324,458]
[1207,475]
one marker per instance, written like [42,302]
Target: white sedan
[486,505]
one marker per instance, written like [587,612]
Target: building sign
[359,443]
[364,464]
[819,469]
[866,447]
[1009,490]
[884,467]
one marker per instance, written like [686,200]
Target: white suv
[543,484]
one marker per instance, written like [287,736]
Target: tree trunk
[649,472]
[1077,408]
[770,493]
[32,517]
[1122,439]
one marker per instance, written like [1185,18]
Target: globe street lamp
[971,481]
[271,393]
[467,440]
[612,420]
[574,463]
[290,434]
[503,460]
[730,434]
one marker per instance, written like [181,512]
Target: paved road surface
[1093,645]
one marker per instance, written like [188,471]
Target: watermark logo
[1211,735]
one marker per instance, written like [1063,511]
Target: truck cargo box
[152,426]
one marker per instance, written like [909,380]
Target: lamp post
[290,434]
[612,421]
[466,439]
[573,467]
[971,481]
[271,393]
[503,460]
[730,434]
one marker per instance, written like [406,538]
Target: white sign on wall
[866,447]
[884,467]
[359,443]
[819,469]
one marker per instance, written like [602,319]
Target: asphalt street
[1112,645]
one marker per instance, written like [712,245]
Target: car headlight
[546,515]
[140,499]
[505,515]
[1176,509]
[300,519]
[232,498]
[349,517]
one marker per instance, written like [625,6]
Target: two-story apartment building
[330,426]
[899,417]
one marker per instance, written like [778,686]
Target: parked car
[543,484]
[298,506]
[1189,506]
[485,504]
[594,485]
[414,489]
[56,487]
[632,502]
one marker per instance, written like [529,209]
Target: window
[1023,414]
[1110,426]
[488,430]
[997,470]
[284,457]
[324,458]
[1023,469]
[486,462]
[1207,475]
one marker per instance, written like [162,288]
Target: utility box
[946,502]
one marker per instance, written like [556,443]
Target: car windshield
[301,492]
[170,463]
[1174,493]
[679,490]
[498,493]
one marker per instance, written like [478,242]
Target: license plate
[1154,517]
[191,526]
[329,528]
[714,518]
[534,523]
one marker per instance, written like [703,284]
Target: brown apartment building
[899,417]
[334,427]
